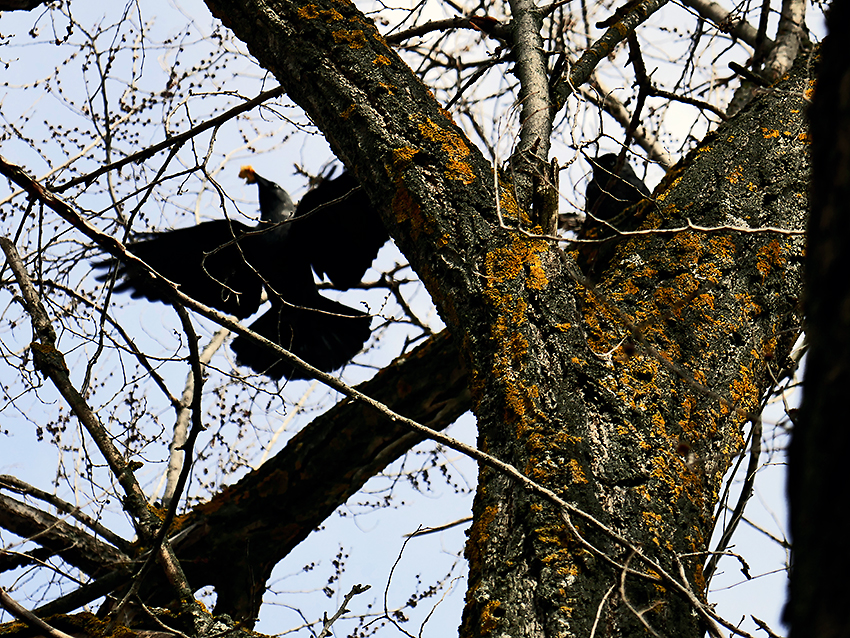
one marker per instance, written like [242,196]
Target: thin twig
[326,627]
[178,139]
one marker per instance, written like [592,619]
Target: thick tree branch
[73,545]
[529,164]
[20,5]
[36,623]
[789,38]
[727,22]
[16,485]
[818,481]
[353,439]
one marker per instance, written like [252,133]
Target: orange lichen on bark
[655,524]
[454,147]
[313,11]
[770,256]
[479,536]
[489,622]
[354,39]
[577,473]
[509,262]
[736,174]
[405,208]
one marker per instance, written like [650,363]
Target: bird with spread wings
[334,231]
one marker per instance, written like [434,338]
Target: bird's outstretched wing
[338,231]
[325,334]
[208,263]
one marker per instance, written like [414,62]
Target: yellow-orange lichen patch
[354,39]
[742,390]
[312,11]
[810,90]
[770,256]
[576,472]
[403,155]
[309,12]
[454,147]
[722,247]
[505,264]
[382,60]
[736,174]
[659,425]
[407,210]
[509,208]
[768,348]
[489,622]
[479,534]
[655,523]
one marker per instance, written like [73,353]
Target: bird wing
[207,262]
[322,332]
[338,231]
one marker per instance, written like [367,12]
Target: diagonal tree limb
[15,484]
[73,545]
[581,71]
[12,606]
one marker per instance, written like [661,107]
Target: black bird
[333,231]
[609,194]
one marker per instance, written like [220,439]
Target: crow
[609,194]
[334,231]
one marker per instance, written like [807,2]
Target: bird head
[604,165]
[275,203]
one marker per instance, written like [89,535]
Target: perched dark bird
[333,231]
[609,194]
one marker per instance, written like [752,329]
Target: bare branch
[50,362]
[581,71]
[726,21]
[10,605]
[789,38]
[176,140]
[16,485]
[529,163]
[326,625]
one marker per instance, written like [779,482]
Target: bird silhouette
[609,193]
[334,231]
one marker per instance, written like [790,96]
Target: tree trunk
[629,398]
[818,482]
